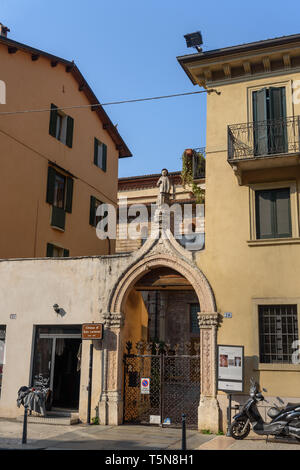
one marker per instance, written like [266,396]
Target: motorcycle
[285,421]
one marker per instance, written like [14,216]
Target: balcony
[264,144]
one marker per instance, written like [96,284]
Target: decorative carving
[164,188]
[113,320]
[208,320]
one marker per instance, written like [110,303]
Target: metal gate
[174,384]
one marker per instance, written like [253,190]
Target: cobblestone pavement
[44,436]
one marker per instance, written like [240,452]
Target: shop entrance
[56,362]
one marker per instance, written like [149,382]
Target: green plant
[220,433]
[205,431]
[187,173]
[95,420]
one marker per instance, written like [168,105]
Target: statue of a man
[164,188]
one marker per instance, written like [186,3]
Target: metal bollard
[183,445]
[24,437]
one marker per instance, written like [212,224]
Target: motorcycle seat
[292,406]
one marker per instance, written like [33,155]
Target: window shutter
[49,250]
[264,214]
[50,185]
[53,120]
[69,195]
[58,218]
[96,151]
[104,157]
[92,210]
[260,128]
[283,213]
[278,131]
[66,253]
[70,127]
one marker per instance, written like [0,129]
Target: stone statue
[164,188]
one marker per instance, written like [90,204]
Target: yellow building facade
[252,257]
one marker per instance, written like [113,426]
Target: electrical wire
[25,111]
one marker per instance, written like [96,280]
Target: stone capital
[113,320]
[208,319]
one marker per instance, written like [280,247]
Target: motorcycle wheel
[238,430]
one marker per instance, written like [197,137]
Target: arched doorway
[111,404]
[161,336]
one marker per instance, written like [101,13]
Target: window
[59,195]
[278,328]
[61,126]
[2,352]
[269,118]
[100,154]
[273,213]
[94,204]
[194,323]
[54,251]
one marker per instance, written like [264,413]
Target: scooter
[285,421]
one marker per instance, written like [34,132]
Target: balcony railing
[263,138]
[198,163]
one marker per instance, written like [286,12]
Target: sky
[128,49]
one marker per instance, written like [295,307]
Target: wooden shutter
[69,195]
[259,122]
[96,151]
[278,132]
[66,253]
[53,120]
[70,127]
[282,213]
[50,185]
[58,218]
[49,253]
[92,210]
[104,157]
[264,214]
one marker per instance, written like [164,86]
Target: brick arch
[192,273]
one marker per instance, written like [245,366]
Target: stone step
[53,418]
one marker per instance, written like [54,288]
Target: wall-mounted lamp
[58,310]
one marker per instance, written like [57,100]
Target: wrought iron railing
[263,138]
[198,162]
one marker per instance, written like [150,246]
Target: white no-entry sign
[145,385]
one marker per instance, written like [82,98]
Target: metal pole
[24,437]
[183,446]
[229,415]
[161,395]
[90,384]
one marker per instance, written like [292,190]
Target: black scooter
[285,421]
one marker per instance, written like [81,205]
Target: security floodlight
[194,40]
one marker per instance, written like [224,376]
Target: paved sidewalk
[83,437]
[252,442]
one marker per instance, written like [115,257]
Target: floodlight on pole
[194,40]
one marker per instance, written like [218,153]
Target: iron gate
[174,384]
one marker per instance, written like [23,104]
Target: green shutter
[282,213]
[49,253]
[92,210]
[96,151]
[69,195]
[104,157]
[70,127]
[264,214]
[66,253]
[50,185]
[58,218]
[53,119]
[278,131]
[259,127]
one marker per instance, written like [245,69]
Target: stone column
[111,401]
[208,411]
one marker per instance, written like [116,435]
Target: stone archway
[111,404]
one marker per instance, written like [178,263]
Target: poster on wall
[230,368]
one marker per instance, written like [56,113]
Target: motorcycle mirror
[280,400]
[265,390]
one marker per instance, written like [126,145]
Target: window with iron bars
[278,328]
